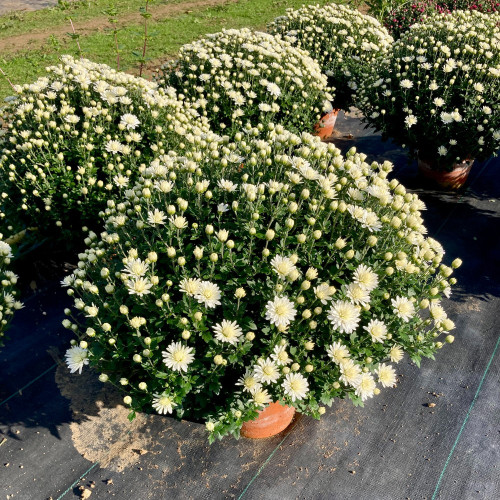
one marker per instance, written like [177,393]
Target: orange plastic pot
[453,179]
[324,128]
[271,421]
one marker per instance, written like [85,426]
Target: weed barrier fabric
[434,436]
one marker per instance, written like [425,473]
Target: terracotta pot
[454,179]
[324,128]
[271,421]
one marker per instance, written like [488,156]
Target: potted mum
[8,280]
[242,76]
[79,135]
[343,41]
[216,290]
[438,93]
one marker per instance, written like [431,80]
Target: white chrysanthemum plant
[81,134]
[242,76]
[300,277]
[344,42]
[438,90]
[8,280]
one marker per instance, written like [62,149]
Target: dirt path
[37,39]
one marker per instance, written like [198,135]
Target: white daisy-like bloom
[366,386]
[280,355]
[403,308]
[280,311]
[261,397]
[358,294]
[5,250]
[338,352]
[410,120]
[190,286]
[386,375]
[179,222]
[178,356]
[439,102]
[344,316]
[120,181]
[273,89]
[446,117]
[396,354]
[92,311]
[249,382]
[136,267]
[406,84]
[139,286]
[226,185]
[324,292]
[377,330]
[222,208]
[76,358]
[282,265]
[479,87]
[266,371]
[163,403]
[228,331]
[129,121]
[114,147]
[156,218]
[296,386]
[365,277]
[442,151]
[208,294]
[350,372]
[438,314]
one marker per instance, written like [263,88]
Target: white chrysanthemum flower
[365,277]
[228,186]
[190,286]
[76,359]
[296,386]
[179,222]
[163,403]
[358,294]
[178,357]
[129,121]
[386,375]
[324,292]
[280,355]
[338,352]
[350,372]
[410,120]
[273,89]
[282,265]
[120,181]
[406,84]
[377,330]
[403,308]
[156,218]
[344,316]
[228,331]
[261,397]
[136,267]
[249,382]
[396,354]
[266,371]
[208,294]
[139,286]
[5,250]
[280,311]
[222,208]
[366,386]
[114,147]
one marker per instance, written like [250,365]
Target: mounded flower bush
[438,91]
[237,77]
[344,42]
[80,135]
[8,280]
[279,271]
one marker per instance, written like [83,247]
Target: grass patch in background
[168,35]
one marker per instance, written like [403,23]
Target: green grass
[169,35]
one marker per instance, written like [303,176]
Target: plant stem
[76,38]
[145,38]
[8,79]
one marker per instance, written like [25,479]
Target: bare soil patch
[37,39]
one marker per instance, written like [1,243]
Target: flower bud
[103,377]
[218,359]
[127,400]
[250,336]
[295,367]
[270,234]
[349,254]
[449,339]
[209,426]
[214,257]
[456,263]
